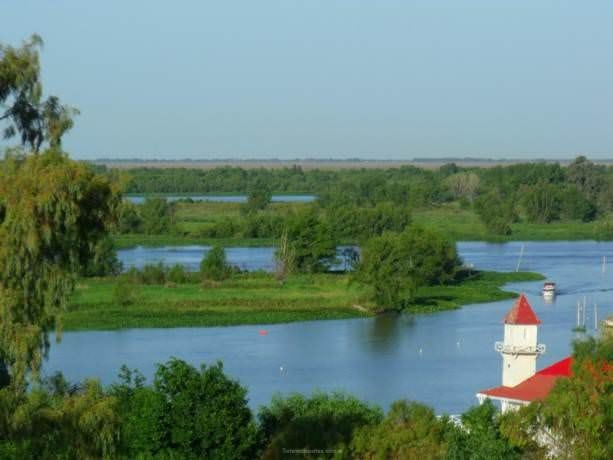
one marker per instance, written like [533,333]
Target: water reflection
[385,332]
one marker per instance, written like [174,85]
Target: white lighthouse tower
[519,349]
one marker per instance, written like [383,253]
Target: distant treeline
[539,192]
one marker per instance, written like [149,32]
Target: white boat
[549,289]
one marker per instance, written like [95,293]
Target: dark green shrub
[323,421]
[153,274]
[187,413]
[214,266]
[177,274]
[124,292]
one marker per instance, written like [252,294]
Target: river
[441,359]
[139,199]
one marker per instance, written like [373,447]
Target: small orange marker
[263,332]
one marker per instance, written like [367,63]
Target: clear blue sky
[324,78]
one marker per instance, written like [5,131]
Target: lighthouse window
[524,332]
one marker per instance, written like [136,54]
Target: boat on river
[549,289]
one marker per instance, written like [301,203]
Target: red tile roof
[521,313]
[536,387]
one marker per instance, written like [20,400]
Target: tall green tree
[157,216]
[541,202]
[576,419]
[55,211]
[395,265]
[188,413]
[214,266]
[22,107]
[409,430]
[496,211]
[317,423]
[311,241]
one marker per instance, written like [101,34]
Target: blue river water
[138,199]
[441,359]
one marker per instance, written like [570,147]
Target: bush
[604,231]
[153,274]
[214,265]
[124,293]
[187,413]
[157,216]
[410,430]
[177,274]
[323,421]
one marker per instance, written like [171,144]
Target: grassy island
[257,298]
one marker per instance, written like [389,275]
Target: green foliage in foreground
[322,422]
[258,298]
[189,413]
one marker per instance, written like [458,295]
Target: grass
[258,299]
[464,225]
[481,287]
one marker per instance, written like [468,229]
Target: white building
[521,384]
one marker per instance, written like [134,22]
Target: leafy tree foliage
[258,198]
[541,202]
[409,430]
[104,261]
[351,222]
[55,213]
[187,413]
[480,437]
[576,418]
[59,422]
[22,106]
[321,422]
[214,265]
[395,265]
[130,220]
[463,185]
[310,241]
[157,216]
[496,212]
[586,176]
[576,206]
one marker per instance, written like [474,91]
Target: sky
[327,78]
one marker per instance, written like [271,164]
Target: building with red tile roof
[521,384]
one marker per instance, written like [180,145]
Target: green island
[258,298]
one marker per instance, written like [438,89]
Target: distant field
[319,164]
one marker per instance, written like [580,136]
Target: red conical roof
[521,313]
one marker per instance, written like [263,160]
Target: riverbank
[257,298]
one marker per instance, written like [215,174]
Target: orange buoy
[263,332]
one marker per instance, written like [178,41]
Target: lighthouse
[521,384]
[519,349]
